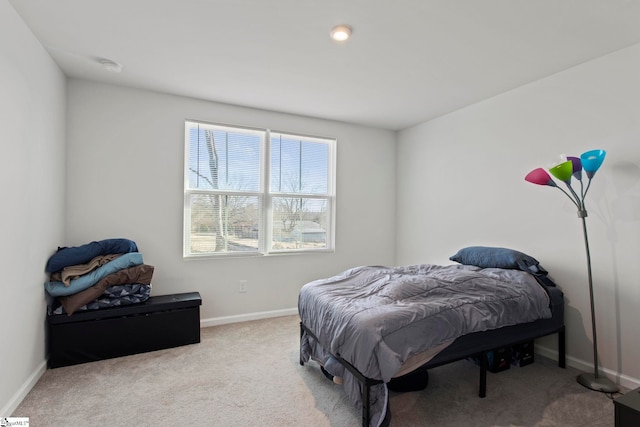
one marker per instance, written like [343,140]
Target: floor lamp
[572,167]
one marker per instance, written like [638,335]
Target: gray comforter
[376,318]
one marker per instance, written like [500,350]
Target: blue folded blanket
[76,255]
[58,289]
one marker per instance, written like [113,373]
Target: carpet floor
[248,374]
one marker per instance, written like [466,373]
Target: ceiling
[407,61]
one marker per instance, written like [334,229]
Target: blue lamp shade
[541,177]
[591,161]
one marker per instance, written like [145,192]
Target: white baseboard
[620,379]
[22,392]
[215,321]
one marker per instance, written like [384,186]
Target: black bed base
[477,345]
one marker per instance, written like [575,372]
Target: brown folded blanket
[138,274]
[74,271]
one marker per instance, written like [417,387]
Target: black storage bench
[160,322]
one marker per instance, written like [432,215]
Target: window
[255,191]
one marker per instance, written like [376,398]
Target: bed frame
[477,345]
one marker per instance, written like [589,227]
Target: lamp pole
[582,214]
[593,381]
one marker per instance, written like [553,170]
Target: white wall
[123,164]
[461,182]
[125,179]
[32,164]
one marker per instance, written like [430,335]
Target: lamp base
[601,383]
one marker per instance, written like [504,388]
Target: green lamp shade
[539,176]
[563,171]
[591,161]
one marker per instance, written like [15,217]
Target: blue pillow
[487,257]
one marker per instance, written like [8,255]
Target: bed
[379,323]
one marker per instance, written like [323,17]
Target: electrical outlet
[242,286]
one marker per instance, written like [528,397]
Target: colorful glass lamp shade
[541,177]
[563,171]
[590,161]
[577,167]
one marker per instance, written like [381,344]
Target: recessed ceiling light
[341,33]
[110,65]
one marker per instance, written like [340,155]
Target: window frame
[264,194]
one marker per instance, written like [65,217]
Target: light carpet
[248,374]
